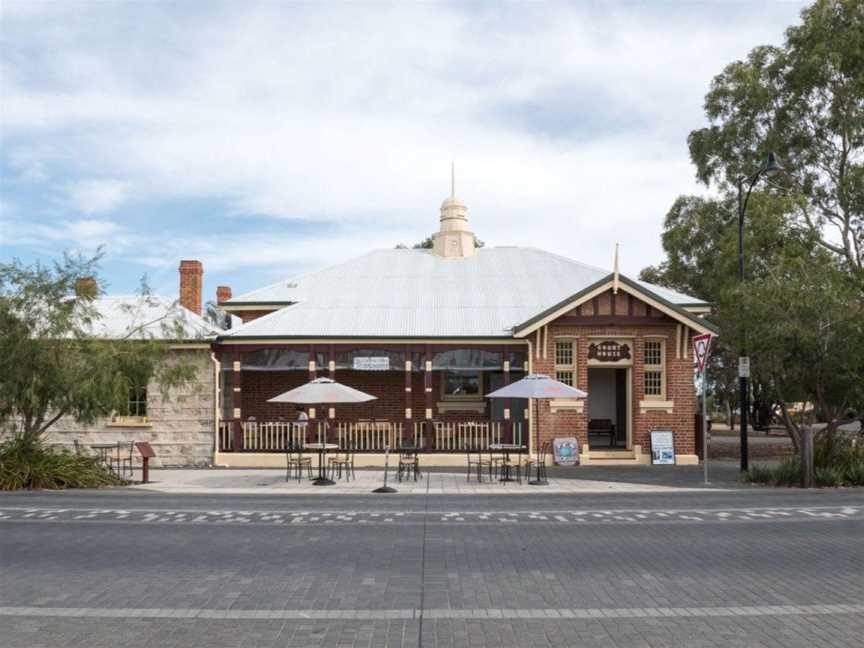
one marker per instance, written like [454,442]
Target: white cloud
[97,196]
[568,124]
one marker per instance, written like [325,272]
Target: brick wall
[680,386]
[388,386]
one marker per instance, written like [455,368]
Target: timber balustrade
[369,436]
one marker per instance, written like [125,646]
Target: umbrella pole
[539,481]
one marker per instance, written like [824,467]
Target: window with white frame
[565,361]
[137,403]
[655,368]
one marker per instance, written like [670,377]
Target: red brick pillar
[427,397]
[237,399]
[508,418]
[408,418]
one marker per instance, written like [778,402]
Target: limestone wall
[180,428]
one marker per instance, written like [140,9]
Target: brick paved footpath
[644,576]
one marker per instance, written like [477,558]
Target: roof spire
[452,179]
[615,272]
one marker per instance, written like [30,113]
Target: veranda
[430,396]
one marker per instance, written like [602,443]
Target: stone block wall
[180,428]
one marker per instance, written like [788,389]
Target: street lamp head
[772,166]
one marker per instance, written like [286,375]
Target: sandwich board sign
[662,447]
[701,350]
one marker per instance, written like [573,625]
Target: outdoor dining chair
[124,461]
[294,459]
[343,461]
[479,463]
[409,462]
[531,461]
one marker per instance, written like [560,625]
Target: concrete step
[610,455]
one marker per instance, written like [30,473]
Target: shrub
[837,462]
[27,464]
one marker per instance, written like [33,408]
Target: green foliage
[53,362]
[27,464]
[836,461]
[804,101]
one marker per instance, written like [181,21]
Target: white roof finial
[615,271]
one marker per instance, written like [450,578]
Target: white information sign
[662,447]
[372,364]
[744,367]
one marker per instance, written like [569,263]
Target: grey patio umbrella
[537,386]
[322,391]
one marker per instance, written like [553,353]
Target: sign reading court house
[431,331]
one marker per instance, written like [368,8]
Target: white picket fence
[369,436]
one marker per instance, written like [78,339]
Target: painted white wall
[601,394]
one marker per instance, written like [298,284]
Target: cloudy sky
[270,138]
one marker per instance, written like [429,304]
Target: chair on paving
[528,462]
[124,461]
[409,462]
[295,459]
[479,463]
[346,461]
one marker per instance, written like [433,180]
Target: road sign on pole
[701,351]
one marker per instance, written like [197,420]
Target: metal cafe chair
[529,462]
[295,459]
[409,462]
[478,463]
[124,461]
[346,461]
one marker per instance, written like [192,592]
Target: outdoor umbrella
[537,386]
[319,392]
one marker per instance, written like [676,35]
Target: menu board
[662,447]
[566,451]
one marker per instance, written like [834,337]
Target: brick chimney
[191,283]
[223,294]
[86,287]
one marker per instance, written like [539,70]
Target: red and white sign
[701,350]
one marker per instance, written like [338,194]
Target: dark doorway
[607,407]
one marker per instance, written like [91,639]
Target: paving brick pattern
[767,580]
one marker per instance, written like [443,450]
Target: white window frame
[574,359]
[654,368]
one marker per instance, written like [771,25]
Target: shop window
[462,385]
[655,369]
[565,362]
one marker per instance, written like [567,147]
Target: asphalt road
[750,567]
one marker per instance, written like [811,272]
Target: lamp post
[771,168]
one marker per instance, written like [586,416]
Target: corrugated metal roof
[414,293]
[134,316]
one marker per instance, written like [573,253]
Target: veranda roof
[414,293]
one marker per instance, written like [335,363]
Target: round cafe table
[506,448]
[322,449]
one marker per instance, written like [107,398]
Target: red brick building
[431,331]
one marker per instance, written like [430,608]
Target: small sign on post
[744,367]
[701,351]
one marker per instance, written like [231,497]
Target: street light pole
[771,167]
[743,396]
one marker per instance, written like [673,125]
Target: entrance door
[608,406]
